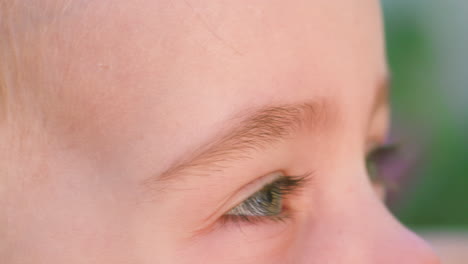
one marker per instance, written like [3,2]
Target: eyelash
[252,207]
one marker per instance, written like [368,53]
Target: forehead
[155,71]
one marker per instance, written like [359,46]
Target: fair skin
[136,126]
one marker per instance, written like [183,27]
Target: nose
[390,241]
[397,244]
[361,230]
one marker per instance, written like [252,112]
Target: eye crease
[268,202]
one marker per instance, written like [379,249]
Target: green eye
[267,202]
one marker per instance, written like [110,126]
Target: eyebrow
[252,130]
[255,130]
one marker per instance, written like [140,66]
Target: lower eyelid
[258,228]
[236,223]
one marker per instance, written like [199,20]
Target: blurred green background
[427,43]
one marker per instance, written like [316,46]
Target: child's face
[226,93]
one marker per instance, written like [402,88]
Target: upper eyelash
[383,151]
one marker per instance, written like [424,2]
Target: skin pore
[131,128]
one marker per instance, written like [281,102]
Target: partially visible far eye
[376,163]
[268,201]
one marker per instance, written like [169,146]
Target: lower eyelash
[252,219]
